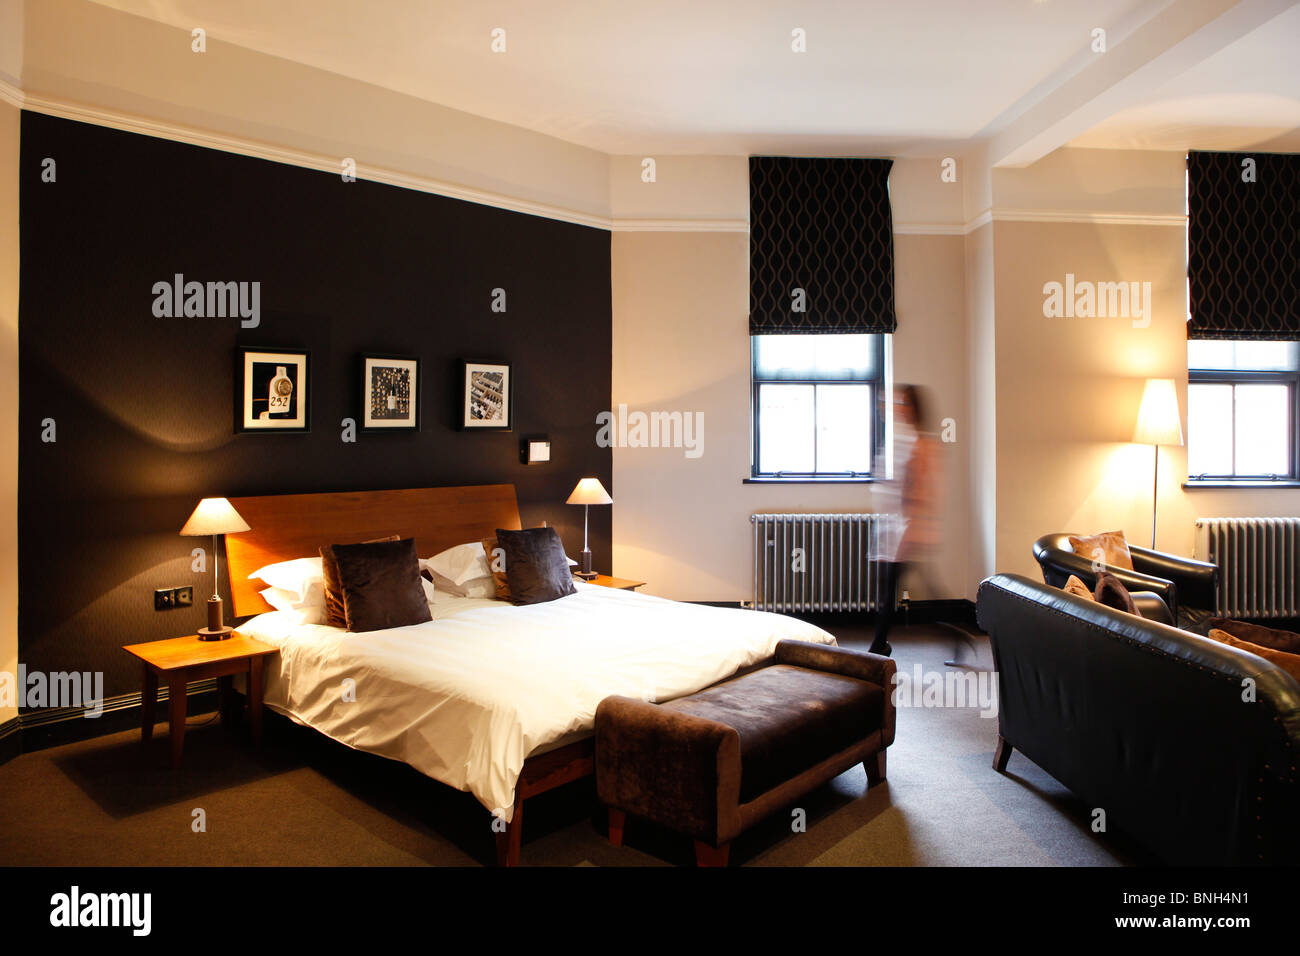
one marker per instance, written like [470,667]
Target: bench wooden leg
[706,855]
[875,768]
[1002,754]
[617,820]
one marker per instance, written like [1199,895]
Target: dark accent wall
[143,406]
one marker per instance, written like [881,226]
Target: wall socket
[164,599]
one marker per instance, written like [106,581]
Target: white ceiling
[917,78]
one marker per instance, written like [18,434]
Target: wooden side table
[183,659]
[623,584]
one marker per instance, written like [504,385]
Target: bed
[487,697]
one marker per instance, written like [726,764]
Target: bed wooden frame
[284,527]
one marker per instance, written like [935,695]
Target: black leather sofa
[1148,723]
[1189,588]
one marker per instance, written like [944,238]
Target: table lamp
[1158,424]
[588,492]
[214,516]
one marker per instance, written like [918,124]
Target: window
[1241,410]
[817,405]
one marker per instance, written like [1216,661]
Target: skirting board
[38,729]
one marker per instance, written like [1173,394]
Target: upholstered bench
[714,763]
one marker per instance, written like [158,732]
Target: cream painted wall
[1067,390]
[681,343]
[8,395]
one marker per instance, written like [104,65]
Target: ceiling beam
[1171,42]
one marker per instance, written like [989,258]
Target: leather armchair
[1189,588]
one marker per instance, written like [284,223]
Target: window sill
[805,480]
[1192,484]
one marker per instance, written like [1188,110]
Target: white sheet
[466,697]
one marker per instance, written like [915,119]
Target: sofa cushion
[789,719]
[1110,548]
[1288,662]
[1076,587]
[1278,640]
[1111,592]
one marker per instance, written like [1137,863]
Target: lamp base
[584,569]
[216,629]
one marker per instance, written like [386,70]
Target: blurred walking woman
[913,535]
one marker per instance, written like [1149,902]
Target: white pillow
[287,603]
[302,577]
[465,562]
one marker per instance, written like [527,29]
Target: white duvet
[466,697]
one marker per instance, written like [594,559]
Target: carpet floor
[304,800]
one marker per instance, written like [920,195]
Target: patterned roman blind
[821,246]
[1243,245]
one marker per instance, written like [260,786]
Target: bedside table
[605,581]
[184,659]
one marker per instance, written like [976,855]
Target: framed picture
[390,392]
[486,396]
[271,390]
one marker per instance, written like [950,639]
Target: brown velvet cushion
[789,719]
[1279,640]
[496,556]
[1109,547]
[335,615]
[1288,662]
[1111,592]
[380,583]
[537,569]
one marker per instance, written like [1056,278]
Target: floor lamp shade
[1158,421]
[588,492]
[1158,424]
[214,516]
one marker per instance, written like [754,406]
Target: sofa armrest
[1152,607]
[863,665]
[673,768]
[1196,581]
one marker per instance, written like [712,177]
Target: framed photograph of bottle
[271,390]
[390,397]
[487,395]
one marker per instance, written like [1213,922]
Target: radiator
[1258,559]
[817,562]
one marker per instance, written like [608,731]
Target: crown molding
[1074,216]
[11,94]
[162,129]
[680,225]
[193,136]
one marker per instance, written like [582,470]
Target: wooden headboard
[284,527]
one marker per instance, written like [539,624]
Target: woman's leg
[888,608]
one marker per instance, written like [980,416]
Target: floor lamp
[1158,424]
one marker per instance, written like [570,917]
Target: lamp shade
[1158,422]
[590,492]
[214,516]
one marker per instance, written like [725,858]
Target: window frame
[878,382]
[1290,378]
